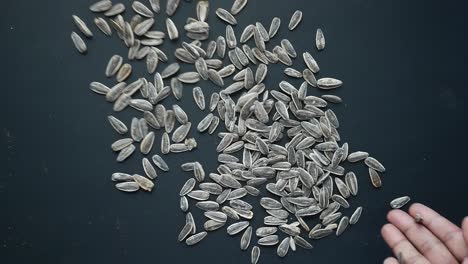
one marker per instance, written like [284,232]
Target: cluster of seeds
[284,140]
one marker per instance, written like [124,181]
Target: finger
[450,234]
[390,261]
[400,246]
[426,242]
[465,231]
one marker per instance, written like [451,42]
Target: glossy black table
[404,68]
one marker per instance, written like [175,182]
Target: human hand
[433,240]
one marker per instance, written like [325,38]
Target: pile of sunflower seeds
[283,140]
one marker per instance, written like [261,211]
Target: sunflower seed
[231,40]
[172,29]
[199,172]
[141,9]
[124,72]
[127,186]
[399,202]
[246,237]
[207,205]
[119,176]
[80,45]
[181,132]
[247,33]
[103,26]
[100,6]
[155,5]
[351,182]
[293,73]
[81,25]
[115,10]
[319,40]
[171,7]
[374,164]
[199,98]
[165,143]
[147,143]
[125,153]
[99,88]
[186,230]
[212,225]
[283,247]
[342,225]
[375,178]
[302,242]
[320,233]
[357,156]
[310,62]
[197,27]
[202,10]
[237,227]
[295,20]
[199,195]
[332,98]
[170,70]
[189,77]
[158,160]
[274,27]
[328,83]
[255,255]
[216,216]
[270,240]
[224,15]
[121,144]
[144,182]
[215,77]
[194,239]
[184,205]
[143,27]
[187,187]
[237,6]
[355,216]
[149,169]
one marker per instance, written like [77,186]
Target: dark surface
[404,68]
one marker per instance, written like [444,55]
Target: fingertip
[414,208]
[394,215]
[390,260]
[465,223]
[417,208]
[385,229]
[390,214]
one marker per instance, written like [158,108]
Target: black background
[404,67]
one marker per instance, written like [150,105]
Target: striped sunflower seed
[319,39]
[127,186]
[81,25]
[103,26]
[355,216]
[227,17]
[255,255]
[79,43]
[141,9]
[100,6]
[150,171]
[399,202]
[171,7]
[237,6]
[195,239]
[295,20]
[199,98]
[283,248]
[237,227]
